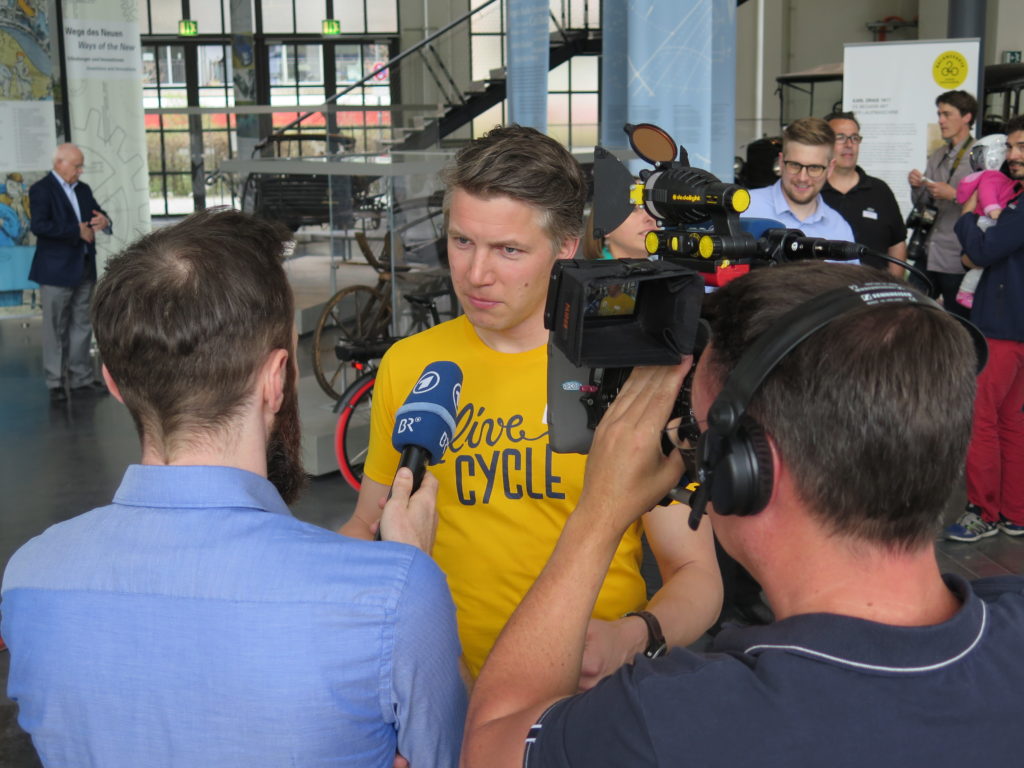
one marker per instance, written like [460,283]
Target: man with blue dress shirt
[65,220]
[194,621]
[795,199]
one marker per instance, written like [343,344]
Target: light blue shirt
[69,190]
[196,622]
[770,203]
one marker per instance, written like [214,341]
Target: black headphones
[734,464]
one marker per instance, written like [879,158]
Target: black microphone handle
[415,458]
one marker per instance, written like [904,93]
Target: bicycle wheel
[354,314]
[352,434]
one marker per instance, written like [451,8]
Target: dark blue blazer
[62,257]
[999,298]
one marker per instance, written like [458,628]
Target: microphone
[791,245]
[425,423]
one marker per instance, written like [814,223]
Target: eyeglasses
[842,138]
[813,171]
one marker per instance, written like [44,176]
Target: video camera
[607,316]
[921,219]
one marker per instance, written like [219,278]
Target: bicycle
[361,314]
[352,432]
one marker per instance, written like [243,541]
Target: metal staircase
[462,107]
[460,104]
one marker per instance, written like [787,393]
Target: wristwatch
[656,645]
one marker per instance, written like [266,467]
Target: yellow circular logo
[950,70]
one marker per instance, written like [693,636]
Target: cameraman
[876,658]
[947,166]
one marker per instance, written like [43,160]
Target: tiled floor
[59,461]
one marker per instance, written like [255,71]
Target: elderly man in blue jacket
[65,220]
[995,459]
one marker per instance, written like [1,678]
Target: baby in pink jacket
[995,190]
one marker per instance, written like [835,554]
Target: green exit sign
[188,28]
[331,27]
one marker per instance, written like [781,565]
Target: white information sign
[28,129]
[891,88]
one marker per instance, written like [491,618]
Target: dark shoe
[92,389]
[58,395]
[1010,528]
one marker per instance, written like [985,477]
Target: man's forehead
[843,125]
[462,198]
[794,149]
[1015,138]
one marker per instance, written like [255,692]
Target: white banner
[104,68]
[108,49]
[891,87]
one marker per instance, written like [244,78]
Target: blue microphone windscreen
[757,227]
[427,417]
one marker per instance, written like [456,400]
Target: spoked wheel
[352,434]
[354,314]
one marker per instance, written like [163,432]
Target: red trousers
[995,456]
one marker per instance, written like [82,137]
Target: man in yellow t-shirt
[513,206]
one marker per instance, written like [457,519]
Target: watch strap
[656,645]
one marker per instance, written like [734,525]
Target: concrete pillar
[680,72]
[967,19]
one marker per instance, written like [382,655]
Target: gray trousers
[66,334]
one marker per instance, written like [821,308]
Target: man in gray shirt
[947,166]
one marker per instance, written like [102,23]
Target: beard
[284,449]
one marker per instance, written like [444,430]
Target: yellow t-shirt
[504,495]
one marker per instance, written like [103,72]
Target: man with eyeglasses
[795,199]
[867,203]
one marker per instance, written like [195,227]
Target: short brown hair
[812,131]
[523,164]
[871,414]
[962,101]
[185,316]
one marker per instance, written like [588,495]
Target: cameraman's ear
[781,478]
[568,249]
[111,384]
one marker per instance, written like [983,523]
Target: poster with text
[27,124]
[891,88]
[104,70]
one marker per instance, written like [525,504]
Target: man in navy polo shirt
[875,658]
[194,621]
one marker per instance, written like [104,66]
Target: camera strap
[959,156]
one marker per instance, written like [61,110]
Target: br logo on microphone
[427,382]
[406,425]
